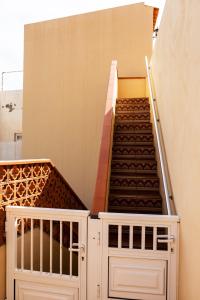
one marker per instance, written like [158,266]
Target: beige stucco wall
[176,69]
[132,87]
[66,69]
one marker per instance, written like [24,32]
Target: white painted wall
[10,123]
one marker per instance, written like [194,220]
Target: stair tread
[137,112]
[136,161]
[134,172]
[133,133]
[129,108]
[132,100]
[135,143]
[132,157]
[137,177]
[133,188]
[138,196]
[138,146]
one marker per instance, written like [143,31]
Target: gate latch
[166,239]
[78,248]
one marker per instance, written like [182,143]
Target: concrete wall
[10,123]
[176,71]
[66,69]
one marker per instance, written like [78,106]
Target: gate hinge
[98,290]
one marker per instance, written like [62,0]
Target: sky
[15,13]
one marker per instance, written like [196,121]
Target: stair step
[133,116]
[132,137]
[133,144]
[132,101]
[148,166]
[134,157]
[132,107]
[133,150]
[134,172]
[136,182]
[131,126]
[135,203]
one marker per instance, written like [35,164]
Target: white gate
[137,257]
[66,255]
[46,253]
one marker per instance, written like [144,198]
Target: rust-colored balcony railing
[35,183]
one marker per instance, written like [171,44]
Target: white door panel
[135,278]
[32,291]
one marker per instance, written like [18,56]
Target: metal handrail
[161,149]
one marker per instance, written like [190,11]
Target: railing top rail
[24,162]
[161,149]
[40,212]
[138,218]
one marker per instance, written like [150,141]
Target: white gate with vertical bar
[66,255]
[46,253]
[139,256]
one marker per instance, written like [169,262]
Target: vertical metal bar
[15,244]
[79,240]
[70,255]
[154,238]
[119,236]
[41,245]
[22,244]
[143,237]
[61,246]
[51,250]
[131,237]
[31,245]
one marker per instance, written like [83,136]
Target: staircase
[134,183]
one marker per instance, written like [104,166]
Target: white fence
[139,256]
[68,255]
[46,250]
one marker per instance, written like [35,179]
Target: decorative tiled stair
[134,183]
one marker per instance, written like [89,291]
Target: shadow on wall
[46,253]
